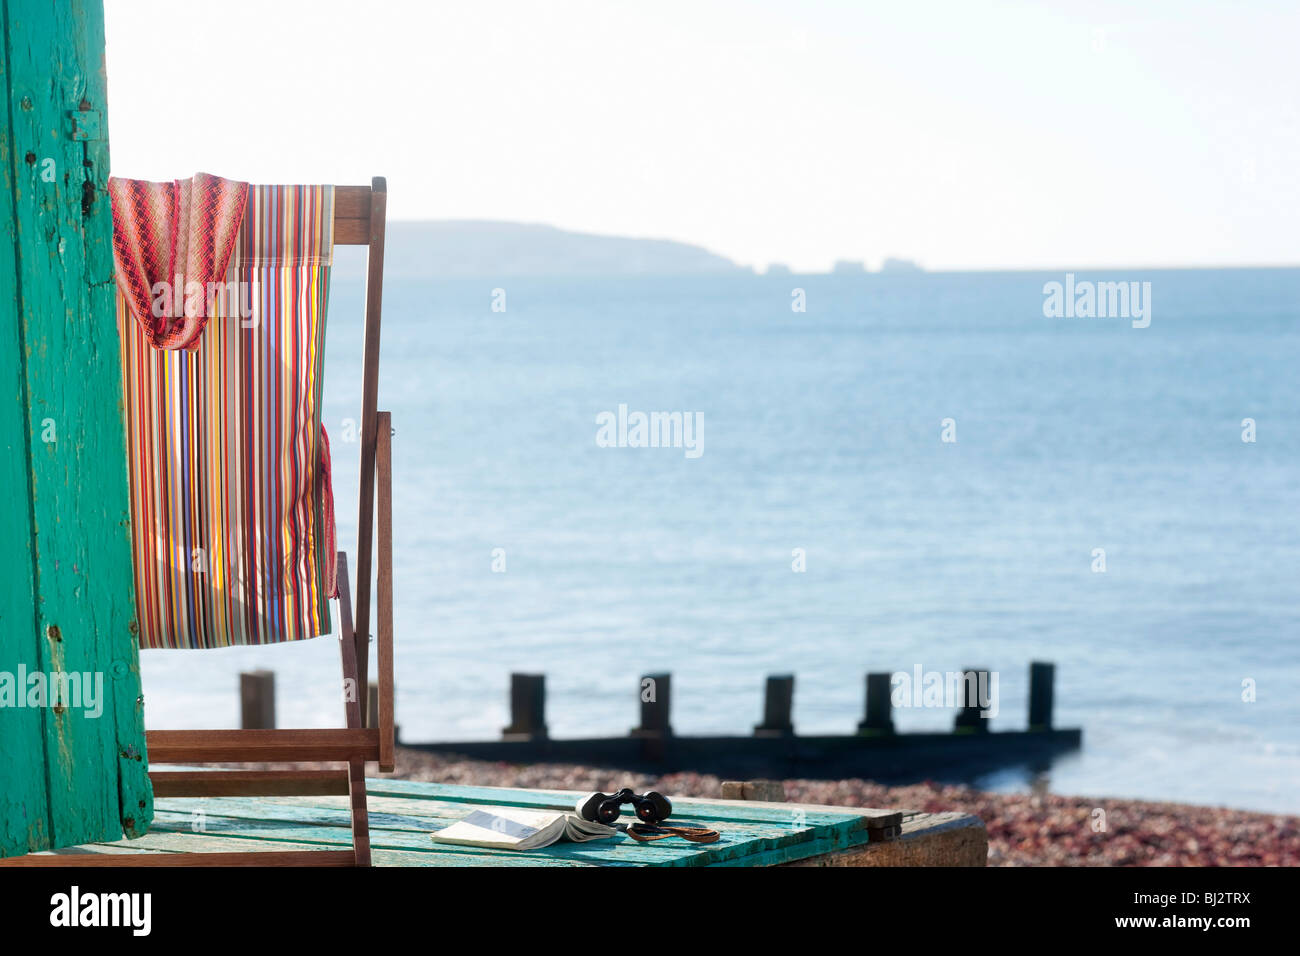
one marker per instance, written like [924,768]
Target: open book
[515,828]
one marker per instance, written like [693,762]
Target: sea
[883,472]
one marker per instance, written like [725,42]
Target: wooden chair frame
[359,219]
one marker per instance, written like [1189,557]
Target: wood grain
[67,598]
[248,783]
[351,215]
[369,424]
[266,858]
[402,816]
[261,746]
[384,591]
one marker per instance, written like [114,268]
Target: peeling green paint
[66,597]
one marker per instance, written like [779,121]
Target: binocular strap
[645,833]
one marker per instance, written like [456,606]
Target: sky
[963,135]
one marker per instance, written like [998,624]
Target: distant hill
[480,249]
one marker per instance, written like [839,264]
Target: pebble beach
[1024,829]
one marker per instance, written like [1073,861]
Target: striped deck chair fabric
[231,506]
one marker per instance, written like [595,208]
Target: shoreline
[1024,829]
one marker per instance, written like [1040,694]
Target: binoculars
[605,808]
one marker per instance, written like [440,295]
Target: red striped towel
[170,240]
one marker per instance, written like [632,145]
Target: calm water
[822,432]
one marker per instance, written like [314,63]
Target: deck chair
[358,219]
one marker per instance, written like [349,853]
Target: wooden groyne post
[656,698]
[527,708]
[1042,677]
[968,717]
[879,713]
[257,700]
[778,702]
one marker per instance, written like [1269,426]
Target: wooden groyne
[774,749]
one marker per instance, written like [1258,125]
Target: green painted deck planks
[403,814]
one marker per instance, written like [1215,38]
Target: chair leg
[360,814]
[352,709]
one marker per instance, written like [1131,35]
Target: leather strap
[646,833]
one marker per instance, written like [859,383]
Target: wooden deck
[403,815]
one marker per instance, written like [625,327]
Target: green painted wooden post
[67,605]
